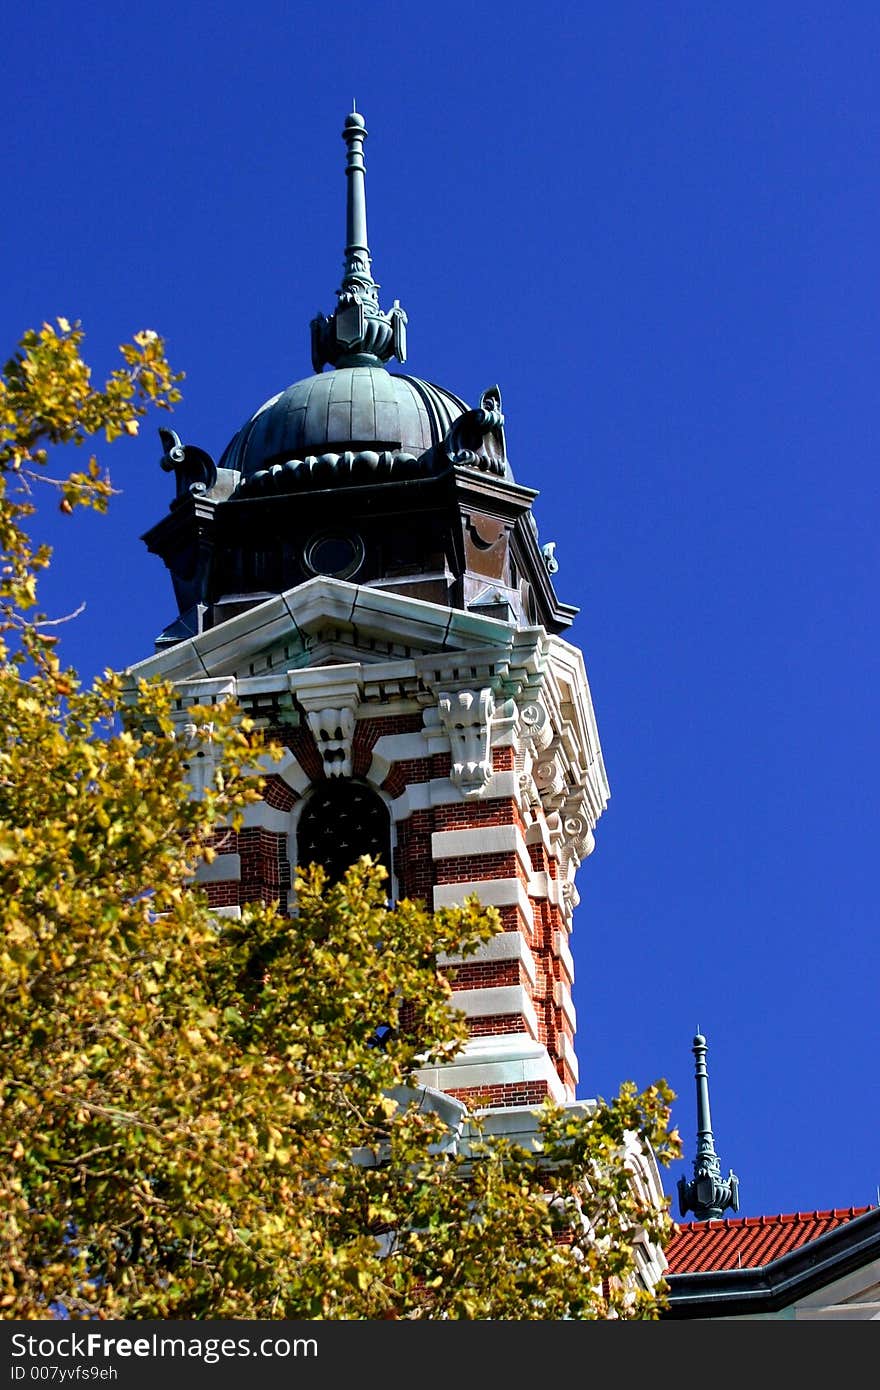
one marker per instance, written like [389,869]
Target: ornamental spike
[358,333]
[708,1195]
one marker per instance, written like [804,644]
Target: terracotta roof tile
[748,1242]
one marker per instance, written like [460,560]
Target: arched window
[341,821]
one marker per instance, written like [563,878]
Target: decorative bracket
[466,716]
[193,468]
[550,778]
[333,731]
[548,551]
[578,840]
[476,438]
[330,696]
[535,724]
[201,755]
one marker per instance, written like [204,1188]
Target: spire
[708,1195]
[357,252]
[358,333]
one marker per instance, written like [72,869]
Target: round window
[338,554]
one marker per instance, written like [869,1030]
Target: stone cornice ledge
[303,611]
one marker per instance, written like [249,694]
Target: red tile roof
[748,1242]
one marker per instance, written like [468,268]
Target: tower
[363,573]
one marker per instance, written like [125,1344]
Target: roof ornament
[548,550]
[193,468]
[357,333]
[477,438]
[708,1195]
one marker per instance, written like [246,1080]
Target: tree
[206,1118]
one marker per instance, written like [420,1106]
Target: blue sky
[656,227]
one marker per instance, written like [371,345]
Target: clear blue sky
[656,226]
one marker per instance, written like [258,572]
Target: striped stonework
[480,740]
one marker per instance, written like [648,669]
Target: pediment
[326,622]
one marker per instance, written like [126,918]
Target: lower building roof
[760,1264]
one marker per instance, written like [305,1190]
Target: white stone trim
[563,1000]
[317,687]
[305,610]
[540,884]
[562,951]
[568,1055]
[260,816]
[439,791]
[377,674]
[287,768]
[377,704]
[271,682]
[504,1060]
[538,833]
[492,892]
[503,999]
[247,636]
[444,792]
[205,691]
[225,868]
[507,945]
[481,839]
[555,894]
[579,731]
[519,1123]
[398,748]
[415,797]
[233,911]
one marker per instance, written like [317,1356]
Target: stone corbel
[576,842]
[535,725]
[553,821]
[578,837]
[528,798]
[195,733]
[333,731]
[466,717]
[570,897]
[549,778]
[201,755]
[330,696]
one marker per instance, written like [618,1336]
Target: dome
[349,408]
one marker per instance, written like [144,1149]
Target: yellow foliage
[181,1097]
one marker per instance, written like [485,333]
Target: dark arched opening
[341,821]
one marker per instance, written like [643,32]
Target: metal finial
[708,1195]
[358,333]
[357,274]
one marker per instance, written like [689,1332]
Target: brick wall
[265,875]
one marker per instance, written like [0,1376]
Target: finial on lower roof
[708,1195]
[358,333]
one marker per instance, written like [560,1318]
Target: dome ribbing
[349,408]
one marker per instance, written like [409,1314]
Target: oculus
[338,554]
